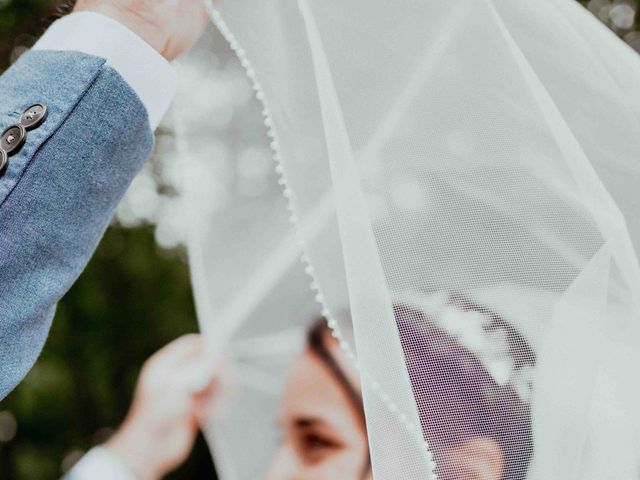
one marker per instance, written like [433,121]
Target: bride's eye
[313,441]
[315,447]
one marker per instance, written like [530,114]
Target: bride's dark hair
[457,398]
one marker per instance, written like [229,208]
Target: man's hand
[171,27]
[173,394]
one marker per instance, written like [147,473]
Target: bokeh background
[135,295]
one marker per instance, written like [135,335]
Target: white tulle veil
[424,149]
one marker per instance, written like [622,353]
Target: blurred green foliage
[21,23]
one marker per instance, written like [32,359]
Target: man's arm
[59,189]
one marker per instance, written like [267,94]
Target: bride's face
[323,434]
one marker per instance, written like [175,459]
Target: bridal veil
[427,151]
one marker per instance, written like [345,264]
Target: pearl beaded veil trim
[344,344]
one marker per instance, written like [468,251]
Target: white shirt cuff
[144,69]
[100,464]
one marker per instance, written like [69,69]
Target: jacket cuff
[30,81]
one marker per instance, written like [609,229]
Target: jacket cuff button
[4,162]
[12,139]
[33,116]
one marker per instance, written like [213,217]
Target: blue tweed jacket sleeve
[59,190]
